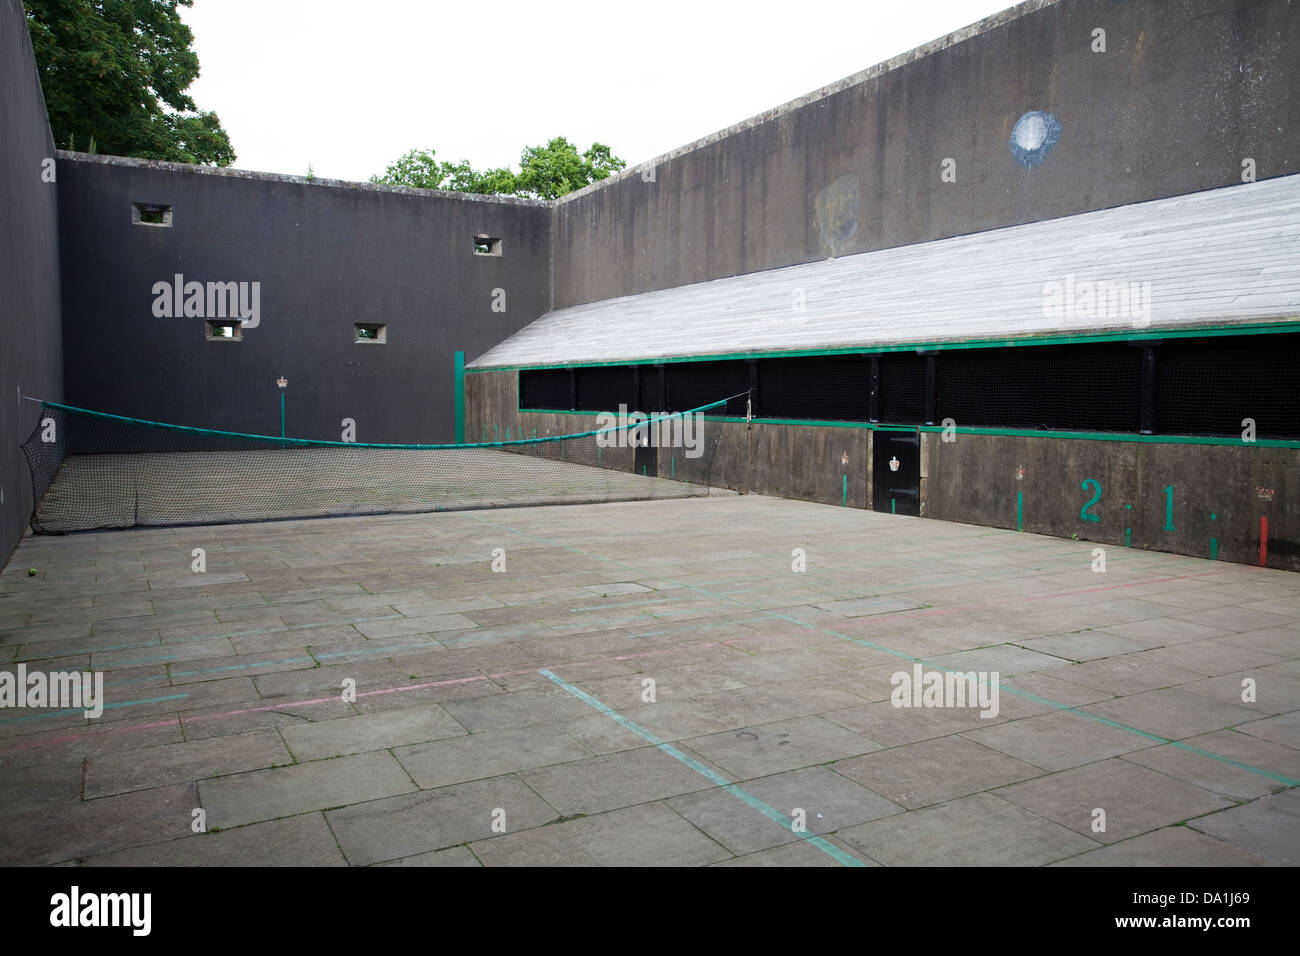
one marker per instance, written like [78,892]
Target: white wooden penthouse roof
[1219,257]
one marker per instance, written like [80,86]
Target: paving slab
[304,840]
[828,800]
[800,853]
[1135,799]
[396,827]
[93,827]
[613,781]
[934,771]
[1227,762]
[452,856]
[1283,729]
[1268,827]
[891,726]
[1172,846]
[647,835]
[979,830]
[764,749]
[285,791]
[492,753]
[193,760]
[365,732]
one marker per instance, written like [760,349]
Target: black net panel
[1204,386]
[91,470]
[604,389]
[692,384]
[545,388]
[1066,388]
[902,389]
[834,388]
[1209,386]
[649,396]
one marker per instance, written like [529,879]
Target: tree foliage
[117,71]
[546,172]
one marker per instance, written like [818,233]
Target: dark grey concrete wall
[1185,90]
[327,255]
[29,268]
[1220,492]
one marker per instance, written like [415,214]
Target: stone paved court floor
[519,698]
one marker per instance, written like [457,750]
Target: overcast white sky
[348,87]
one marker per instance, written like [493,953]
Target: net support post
[1147,400]
[459,396]
[931,387]
[752,404]
[874,414]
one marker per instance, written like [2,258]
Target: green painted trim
[1281,326]
[459,372]
[999,432]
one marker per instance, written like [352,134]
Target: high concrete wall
[327,255]
[1185,90]
[29,267]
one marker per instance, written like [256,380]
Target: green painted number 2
[1083,512]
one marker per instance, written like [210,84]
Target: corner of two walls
[30,327]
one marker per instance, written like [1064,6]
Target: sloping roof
[1218,257]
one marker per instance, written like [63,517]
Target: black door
[647,459]
[896,472]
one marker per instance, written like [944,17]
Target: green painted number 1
[1169,509]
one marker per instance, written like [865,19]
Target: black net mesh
[691,384]
[1068,388]
[835,388]
[91,470]
[602,389]
[650,395]
[1204,386]
[902,389]
[544,388]
[1208,387]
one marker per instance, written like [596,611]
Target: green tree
[550,171]
[421,169]
[546,172]
[117,71]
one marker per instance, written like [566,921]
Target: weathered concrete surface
[482,745]
[1219,492]
[859,168]
[327,255]
[30,332]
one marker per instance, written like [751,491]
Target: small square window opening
[368,333]
[151,214]
[220,330]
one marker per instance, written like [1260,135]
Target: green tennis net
[94,470]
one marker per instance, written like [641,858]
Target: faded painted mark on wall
[836,214]
[1033,138]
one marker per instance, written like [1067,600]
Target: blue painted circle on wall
[1033,137]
